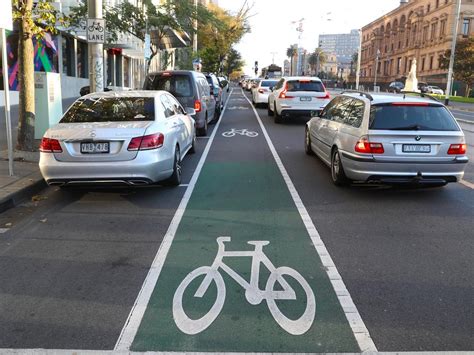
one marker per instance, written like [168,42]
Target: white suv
[297,96]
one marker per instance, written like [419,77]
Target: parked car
[191,89]
[297,96]
[431,89]
[131,138]
[423,87]
[261,92]
[388,139]
[216,90]
[250,84]
[396,87]
[224,85]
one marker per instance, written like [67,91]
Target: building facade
[417,29]
[342,45]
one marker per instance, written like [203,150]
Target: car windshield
[410,117]
[301,85]
[176,84]
[113,109]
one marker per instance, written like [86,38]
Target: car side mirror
[190,111]
[271,88]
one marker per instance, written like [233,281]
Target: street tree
[233,63]
[126,18]
[317,58]
[463,62]
[217,38]
[32,20]
[291,53]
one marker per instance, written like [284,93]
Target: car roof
[302,78]
[387,98]
[130,93]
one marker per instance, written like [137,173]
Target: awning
[172,39]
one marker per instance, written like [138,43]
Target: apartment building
[417,29]
[343,45]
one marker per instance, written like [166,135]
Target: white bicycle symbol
[253,294]
[242,132]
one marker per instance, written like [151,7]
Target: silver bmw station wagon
[402,139]
[131,138]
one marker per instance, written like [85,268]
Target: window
[82,65]
[355,113]
[111,109]
[399,64]
[437,3]
[466,24]
[176,105]
[442,30]
[434,28]
[428,8]
[168,107]
[431,62]
[126,72]
[68,55]
[327,112]
[423,62]
[177,85]
[302,85]
[425,33]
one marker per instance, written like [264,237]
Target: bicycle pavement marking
[265,205]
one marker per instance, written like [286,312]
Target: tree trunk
[26,77]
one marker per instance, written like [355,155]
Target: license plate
[305,98]
[416,148]
[95,148]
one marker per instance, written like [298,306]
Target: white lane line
[135,317]
[4,230]
[358,327]
[467,183]
[464,121]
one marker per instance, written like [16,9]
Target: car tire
[175,178]
[307,143]
[203,131]
[192,150]
[338,175]
[269,111]
[278,118]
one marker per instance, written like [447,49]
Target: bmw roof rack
[361,93]
[421,94]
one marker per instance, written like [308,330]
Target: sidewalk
[26,182]
[461,106]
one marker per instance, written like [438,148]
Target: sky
[273,30]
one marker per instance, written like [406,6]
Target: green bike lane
[241,194]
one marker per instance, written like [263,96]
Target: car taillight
[197,106]
[457,149]
[283,94]
[261,91]
[367,147]
[49,145]
[151,141]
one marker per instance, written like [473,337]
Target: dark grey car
[191,89]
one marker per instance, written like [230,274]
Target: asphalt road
[73,263]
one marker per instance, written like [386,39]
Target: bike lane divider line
[358,327]
[242,274]
[135,317]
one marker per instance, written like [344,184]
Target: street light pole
[449,86]
[376,68]
[96,51]
[359,57]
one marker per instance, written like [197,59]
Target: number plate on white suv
[305,98]
[95,148]
[416,148]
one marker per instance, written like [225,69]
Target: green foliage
[40,19]
[463,63]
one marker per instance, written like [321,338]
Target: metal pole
[96,51]
[6,89]
[449,86]
[195,36]
[376,68]
[359,57]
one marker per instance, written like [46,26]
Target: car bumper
[288,113]
[261,98]
[148,167]
[363,168]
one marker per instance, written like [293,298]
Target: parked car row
[397,87]
[133,137]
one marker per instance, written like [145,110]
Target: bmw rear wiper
[414,127]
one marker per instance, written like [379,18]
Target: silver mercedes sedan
[127,138]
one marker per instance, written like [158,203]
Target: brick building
[417,29]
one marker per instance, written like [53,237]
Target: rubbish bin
[48,101]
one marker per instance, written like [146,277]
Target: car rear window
[268,83]
[407,118]
[177,84]
[302,85]
[113,109]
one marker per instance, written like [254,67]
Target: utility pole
[95,37]
[359,57]
[449,86]
[273,56]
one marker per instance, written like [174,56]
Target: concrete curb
[23,189]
